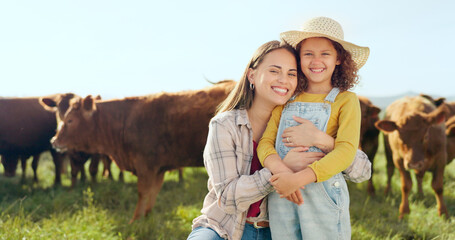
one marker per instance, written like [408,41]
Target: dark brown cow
[369,134]
[25,130]
[59,105]
[145,135]
[414,138]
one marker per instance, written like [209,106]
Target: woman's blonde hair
[242,95]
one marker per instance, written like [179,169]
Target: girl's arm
[306,134]
[234,192]
[340,158]
[267,154]
[347,138]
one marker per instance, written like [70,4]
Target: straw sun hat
[331,29]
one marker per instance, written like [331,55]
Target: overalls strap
[332,95]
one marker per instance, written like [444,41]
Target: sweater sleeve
[266,146]
[235,192]
[346,142]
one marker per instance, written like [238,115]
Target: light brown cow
[415,139]
[145,135]
[369,134]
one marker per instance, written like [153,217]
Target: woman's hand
[297,159]
[296,197]
[285,184]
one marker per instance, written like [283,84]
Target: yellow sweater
[343,125]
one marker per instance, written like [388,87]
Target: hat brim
[359,54]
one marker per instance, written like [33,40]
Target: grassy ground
[102,210]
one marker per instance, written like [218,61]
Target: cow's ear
[439,101]
[450,131]
[374,111]
[75,103]
[386,126]
[48,103]
[88,103]
[438,115]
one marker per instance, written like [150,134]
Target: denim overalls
[325,211]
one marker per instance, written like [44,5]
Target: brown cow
[439,101]
[59,105]
[369,134]
[415,139]
[449,124]
[145,135]
[25,130]
[450,133]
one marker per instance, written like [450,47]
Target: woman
[235,207]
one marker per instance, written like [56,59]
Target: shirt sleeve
[223,159]
[266,145]
[346,142]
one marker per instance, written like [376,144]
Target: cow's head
[59,103]
[413,133]
[77,125]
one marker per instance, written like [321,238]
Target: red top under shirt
[255,166]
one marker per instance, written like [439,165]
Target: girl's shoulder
[347,95]
[347,98]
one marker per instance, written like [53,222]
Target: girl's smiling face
[318,59]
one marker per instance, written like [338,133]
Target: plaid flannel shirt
[227,158]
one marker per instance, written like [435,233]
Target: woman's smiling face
[275,79]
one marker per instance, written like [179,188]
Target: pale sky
[138,47]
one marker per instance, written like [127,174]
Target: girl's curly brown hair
[344,76]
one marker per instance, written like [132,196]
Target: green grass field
[102,210]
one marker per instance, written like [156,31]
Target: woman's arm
[234,192]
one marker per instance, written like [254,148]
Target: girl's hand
[297,159]
[284,183]
[307,135]
[301,135]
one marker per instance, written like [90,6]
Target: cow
[439,101]
[58,104]
[25,130]
[450,133]
[145,135]
[414,139]
[449,124]
[369,134]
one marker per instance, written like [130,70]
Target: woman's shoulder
[235,116]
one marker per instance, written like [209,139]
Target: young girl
[329,65]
